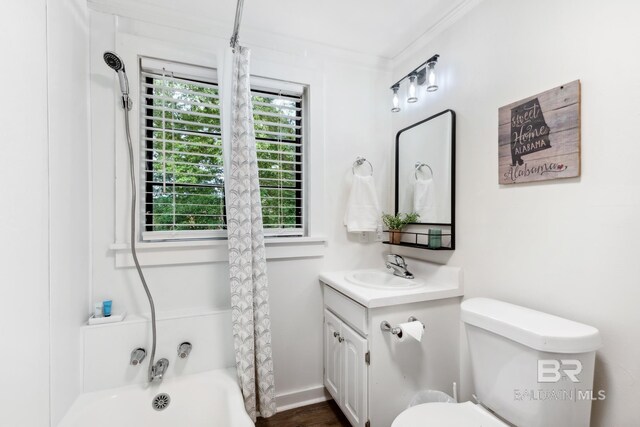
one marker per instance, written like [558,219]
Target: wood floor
[324,414]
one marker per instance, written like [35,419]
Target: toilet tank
[531,368]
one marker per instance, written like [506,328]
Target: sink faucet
[158,370]
[398,265]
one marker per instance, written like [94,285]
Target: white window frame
[200,249]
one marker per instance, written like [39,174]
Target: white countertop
[437,282]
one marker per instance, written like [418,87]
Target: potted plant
[395,224]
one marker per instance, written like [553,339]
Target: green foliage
[184,159]
[399,221]
[279,150]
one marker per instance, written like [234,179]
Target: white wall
[350,118]
[24,292]
[107,347]
[566,247]
[68,105]
[45,267]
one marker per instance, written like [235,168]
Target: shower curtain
[247,261]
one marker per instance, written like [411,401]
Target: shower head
[115,63]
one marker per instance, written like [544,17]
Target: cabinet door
[332,356]
[354,377]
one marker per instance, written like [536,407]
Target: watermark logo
[552,370]
[573,395]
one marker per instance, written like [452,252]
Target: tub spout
[159,369]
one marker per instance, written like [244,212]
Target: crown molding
[143,11]
[416,48]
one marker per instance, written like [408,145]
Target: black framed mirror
[425,179]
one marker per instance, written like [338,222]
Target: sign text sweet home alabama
[539,136]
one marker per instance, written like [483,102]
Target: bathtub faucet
[159,369]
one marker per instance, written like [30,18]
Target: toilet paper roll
[411,330]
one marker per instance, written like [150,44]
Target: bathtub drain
[161,401]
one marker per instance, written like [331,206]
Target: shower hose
[126,103]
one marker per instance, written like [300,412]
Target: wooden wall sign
[539,136]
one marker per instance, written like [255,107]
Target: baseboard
[297,398]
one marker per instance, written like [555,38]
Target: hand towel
[363,210]
[424,199]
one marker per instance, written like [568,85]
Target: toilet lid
[447,415]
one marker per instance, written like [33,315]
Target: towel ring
[419,166]
[359,162]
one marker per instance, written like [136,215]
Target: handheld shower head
[115,63]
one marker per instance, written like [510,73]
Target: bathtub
[210,398]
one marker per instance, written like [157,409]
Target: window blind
[181,133]
[278,122]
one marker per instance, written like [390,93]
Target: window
[279,144]
[183,153]
[184,181]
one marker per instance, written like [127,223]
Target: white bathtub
[210,398]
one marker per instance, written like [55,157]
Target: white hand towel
[424,200]
[363,210]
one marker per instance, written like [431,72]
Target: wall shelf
[411,239]
[417,245]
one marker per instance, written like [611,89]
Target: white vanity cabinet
[369,372]
[345,368]
[332,355]
[346,355]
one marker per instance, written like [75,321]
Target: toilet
[530,369]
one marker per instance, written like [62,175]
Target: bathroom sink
[381,280]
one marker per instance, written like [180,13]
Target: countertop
[437,282]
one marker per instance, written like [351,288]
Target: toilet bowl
[447,415]
[511,349]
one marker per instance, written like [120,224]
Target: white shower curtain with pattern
[247,260]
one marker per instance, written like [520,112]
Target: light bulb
[431,77]
[412,88]
[395,100]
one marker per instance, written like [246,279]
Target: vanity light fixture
[395,100]
[411,96]
[431,75]
[423,73]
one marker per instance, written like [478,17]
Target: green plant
[399,221]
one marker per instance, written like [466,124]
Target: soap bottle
[106,308]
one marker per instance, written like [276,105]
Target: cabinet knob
[340,339]
[336,334]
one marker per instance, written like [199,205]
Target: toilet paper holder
[386,326]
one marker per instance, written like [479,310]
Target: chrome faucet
[398,265]
[159,369]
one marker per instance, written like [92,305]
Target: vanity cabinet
[371,374]
[332,355]
[345,373]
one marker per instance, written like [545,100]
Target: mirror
[425,159]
